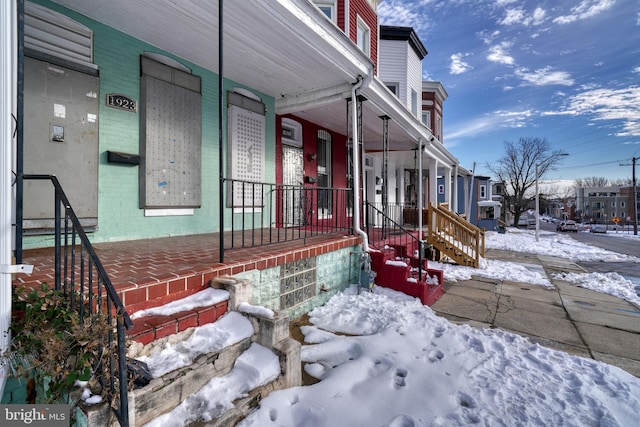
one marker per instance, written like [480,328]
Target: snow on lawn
[409,367]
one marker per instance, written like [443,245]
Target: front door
[60,138]
[293,190]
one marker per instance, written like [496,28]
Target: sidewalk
[569,318]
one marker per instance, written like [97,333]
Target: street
[621,245]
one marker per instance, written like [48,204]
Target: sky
[564,70]
[440,374]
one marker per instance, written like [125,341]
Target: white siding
[414,78]
[392,66]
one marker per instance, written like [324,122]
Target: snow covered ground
[401,365]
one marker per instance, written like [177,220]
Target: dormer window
[393,87]
[328,7]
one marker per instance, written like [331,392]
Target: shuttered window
[52,33]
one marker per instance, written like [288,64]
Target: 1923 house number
[122,102]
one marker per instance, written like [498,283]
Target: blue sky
[565,70]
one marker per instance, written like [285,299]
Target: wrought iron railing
[383,232]
[265,213]
[79,274]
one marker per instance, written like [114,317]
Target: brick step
[401,274]
[153,326]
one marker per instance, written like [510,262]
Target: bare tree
[517,170]
[591,182]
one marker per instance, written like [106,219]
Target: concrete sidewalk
[568,318]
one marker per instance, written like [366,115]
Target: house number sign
[122,102]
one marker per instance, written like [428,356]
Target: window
[414,102]
[170,133]
[439,128]
[324,173]
[291,132]
[393,87]
[363,37]
[623,205]
[426,118]
[499,190]
[483,191]
[328,8]
[613,204]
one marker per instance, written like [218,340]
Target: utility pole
[635,194]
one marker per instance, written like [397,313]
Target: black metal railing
[405,214]
[384,231]
[265,213]
[79,274]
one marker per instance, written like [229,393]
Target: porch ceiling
[286,49]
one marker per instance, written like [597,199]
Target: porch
[152,272]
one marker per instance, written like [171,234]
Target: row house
[177,121]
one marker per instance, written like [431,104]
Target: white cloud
[488,123]
[499,54]
[488,37]
[584,10]
[636,70]
[545,77]
[398,12]
[512,17]
[519,16]
[458,66]
[607,104]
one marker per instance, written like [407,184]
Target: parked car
[567,226]
[598,228]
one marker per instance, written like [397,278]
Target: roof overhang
[285,49]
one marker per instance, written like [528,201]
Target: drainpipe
[356,167]
[7,93]
[420,201]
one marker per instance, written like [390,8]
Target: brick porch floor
[152,272]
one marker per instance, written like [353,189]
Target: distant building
[606,205]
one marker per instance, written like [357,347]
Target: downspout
[420,201]
[7,92]
[356,166]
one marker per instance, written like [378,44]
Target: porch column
[447,187]
[454,190]
[385,164]
[433,181]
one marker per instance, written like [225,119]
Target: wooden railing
[455,237]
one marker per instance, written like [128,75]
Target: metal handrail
[384,230]
[74,276]
[266,213]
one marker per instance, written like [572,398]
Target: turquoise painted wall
[118,59]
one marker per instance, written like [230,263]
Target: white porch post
[433,181]
[8,49]
[447,187]
[454,190]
